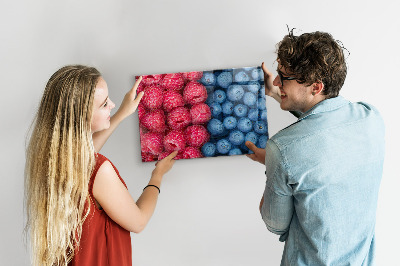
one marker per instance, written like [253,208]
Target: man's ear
[317,88]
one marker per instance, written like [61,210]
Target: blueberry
[224,79]
[219,96]
[264,115]
[249,99]
[241,77]
[261,104]
[223,146]
[227,108]
[244,124]
[208,79]
[252,137]
[236,137]
[262,92]
[240,110]
[216,109]
[255,74]
[253,114]
[235,151]
[260,127]
[230,122]
[208,149]
[261,73]
[235,92]
[262,142]
[215,127]
[252,86]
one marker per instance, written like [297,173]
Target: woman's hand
[163,166]
[270,89]
[131,101]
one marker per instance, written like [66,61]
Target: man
[323,171]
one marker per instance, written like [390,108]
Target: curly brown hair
[314,57]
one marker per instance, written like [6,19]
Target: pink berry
[172,100]
[153,97]
[178,118]
[173,81]
[174,141]
[191,152]
[163,155]
[194,92]
[200,113]
[147,157]
[154,121]
[141,111]
[152,143]
[196,135]
[195,75]
[151,79]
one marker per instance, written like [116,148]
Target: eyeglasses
[282,78]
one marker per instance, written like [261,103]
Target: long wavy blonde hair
[59,162]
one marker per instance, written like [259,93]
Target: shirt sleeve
[277,209]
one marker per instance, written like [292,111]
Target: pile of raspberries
[173,116]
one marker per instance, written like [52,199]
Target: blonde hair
[59,162]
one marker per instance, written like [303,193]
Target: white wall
[208,208]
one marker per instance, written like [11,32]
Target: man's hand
[259,154]
[270,89]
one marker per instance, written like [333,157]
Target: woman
[78,207]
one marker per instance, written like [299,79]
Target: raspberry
[147,157]
[154,121]
[172,99]
[152,143]
[196,135]
[141,111]
[200,113]
[153,97]
[194,92]
[195,75]
[191,152]
[151,79]
[173,81]
[178,118]
[174,141]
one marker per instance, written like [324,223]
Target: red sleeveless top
[103,241]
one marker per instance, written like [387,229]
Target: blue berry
[240,110]
[230,122]
[264,115]
[227,108]
[260,127]
[261,73]
[208,149]
[241,77]
[253,114]
[262,92]
[216,109]
[219,96]
[255,74]
[235,151]
[224,79]
[244,124]
[223,146]
[252,86]
[236,137]
[262,141]
[261,104]
[215,127]
[249,99]
[252,137]
[208,79]
[235,93]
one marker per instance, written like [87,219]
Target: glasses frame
[282,78]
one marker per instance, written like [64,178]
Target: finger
[251,146]
[265,69]
[172,155]
[136,85]
[139,96]
[251,156]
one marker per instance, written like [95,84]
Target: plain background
[208,208]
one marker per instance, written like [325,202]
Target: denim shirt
[323,176]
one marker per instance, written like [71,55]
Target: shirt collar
[325,106]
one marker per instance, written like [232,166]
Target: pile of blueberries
[237,101]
